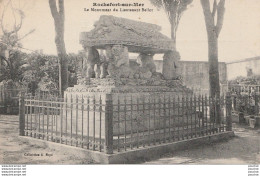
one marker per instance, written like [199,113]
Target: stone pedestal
[130,103]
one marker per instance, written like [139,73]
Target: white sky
[239,38]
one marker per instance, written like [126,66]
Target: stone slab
[138,36]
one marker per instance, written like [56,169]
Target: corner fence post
[228,112]
[21,115]
[109,124]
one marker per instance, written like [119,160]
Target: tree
[214,22]
[12,67]
[174,10]
[11,58]
[59,19]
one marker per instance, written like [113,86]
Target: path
[242,149]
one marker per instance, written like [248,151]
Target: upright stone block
[171,65]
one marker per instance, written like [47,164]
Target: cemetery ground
[244,148]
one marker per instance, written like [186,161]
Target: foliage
[33,68]
[251,80]
[174,10]
[42,71]
[182,4]
[13,66]
[50,79]
[12,59]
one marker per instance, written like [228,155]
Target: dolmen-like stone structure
[112,72]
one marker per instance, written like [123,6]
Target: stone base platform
[124,100]
[127,87]
[132,156]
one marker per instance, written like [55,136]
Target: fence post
[217,110]
[234,102]
[228,112]
[256,103]
[109,124]
[21,114]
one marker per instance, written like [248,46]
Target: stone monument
[111,74]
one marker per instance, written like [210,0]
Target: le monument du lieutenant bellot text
[118,7]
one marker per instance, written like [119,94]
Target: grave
[111,76]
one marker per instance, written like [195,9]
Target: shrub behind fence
[246,103]
[9,100]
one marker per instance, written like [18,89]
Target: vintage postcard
[129,82]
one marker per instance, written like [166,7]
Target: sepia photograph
[147,82]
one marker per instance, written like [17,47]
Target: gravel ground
[13,149]
[242,149]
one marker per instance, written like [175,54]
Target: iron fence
[115,124]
